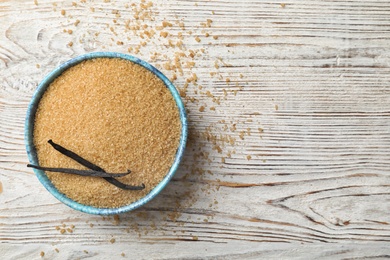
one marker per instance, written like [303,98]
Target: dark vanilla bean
[122,185]
[90,173]
[75,157]
[93,167]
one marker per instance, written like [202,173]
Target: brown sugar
[115,114]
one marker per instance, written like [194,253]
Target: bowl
[32,153]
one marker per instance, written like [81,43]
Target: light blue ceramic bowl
[31,151]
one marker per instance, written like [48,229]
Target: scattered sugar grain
[117,220]
[166,24]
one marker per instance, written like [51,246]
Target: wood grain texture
[288,155]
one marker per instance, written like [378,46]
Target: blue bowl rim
[31,151]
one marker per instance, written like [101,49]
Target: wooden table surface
[289,128]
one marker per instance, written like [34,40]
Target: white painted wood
[289,159]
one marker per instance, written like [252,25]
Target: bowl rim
[31,151]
